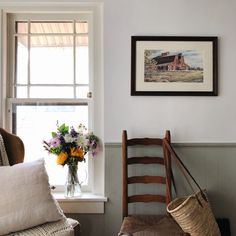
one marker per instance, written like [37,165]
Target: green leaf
[63,129]
[54,134]
[55,150]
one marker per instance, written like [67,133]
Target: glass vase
[72,185]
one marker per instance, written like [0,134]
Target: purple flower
[95,152]
[73,132]
[54,142]
[62,140]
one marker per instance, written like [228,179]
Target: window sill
[86,203]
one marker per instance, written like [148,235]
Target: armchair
[14,151]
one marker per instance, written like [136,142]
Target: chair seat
[57,228]
[150,225]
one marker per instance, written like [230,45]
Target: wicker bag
[193,213]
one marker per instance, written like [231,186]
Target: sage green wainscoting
[213,166]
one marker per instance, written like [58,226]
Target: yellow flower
[62,157]
[77,152]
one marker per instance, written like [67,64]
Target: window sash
[74,58]
[57,17]
[13,103]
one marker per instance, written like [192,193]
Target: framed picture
[184,66]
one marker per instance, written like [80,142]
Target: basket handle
[184,170]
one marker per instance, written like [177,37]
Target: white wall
[190,119]
[197,119]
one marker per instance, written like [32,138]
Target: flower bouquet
[70,146]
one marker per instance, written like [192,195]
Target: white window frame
[96,10]
[57,17]
[12,19]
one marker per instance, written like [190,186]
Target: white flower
[68,138]
[81,141]
[81,129]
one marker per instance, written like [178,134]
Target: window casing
[42,81]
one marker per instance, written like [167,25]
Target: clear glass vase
[72,185]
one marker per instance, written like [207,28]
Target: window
[50,82]
[51,59]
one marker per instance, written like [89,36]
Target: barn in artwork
[170,62]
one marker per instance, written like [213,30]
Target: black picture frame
[174,66]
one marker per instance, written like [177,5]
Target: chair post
[167,158]
[125,174]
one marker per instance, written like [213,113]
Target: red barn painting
[169,62]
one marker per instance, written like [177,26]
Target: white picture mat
[205,47]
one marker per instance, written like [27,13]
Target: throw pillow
[26,200]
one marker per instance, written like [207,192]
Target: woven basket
[193,218]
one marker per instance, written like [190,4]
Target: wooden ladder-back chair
[145,225]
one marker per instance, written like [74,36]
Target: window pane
[21,60]
[21,92]
[21,27]
[82,91]
[51,27]
[82,61]
[35,123]
[81,27]
[82,41]
[51,60]
[51,92]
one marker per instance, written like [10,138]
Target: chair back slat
[145,160]
[144,141]
[146,198]
[146,179]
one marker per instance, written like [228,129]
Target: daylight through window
[50,84]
